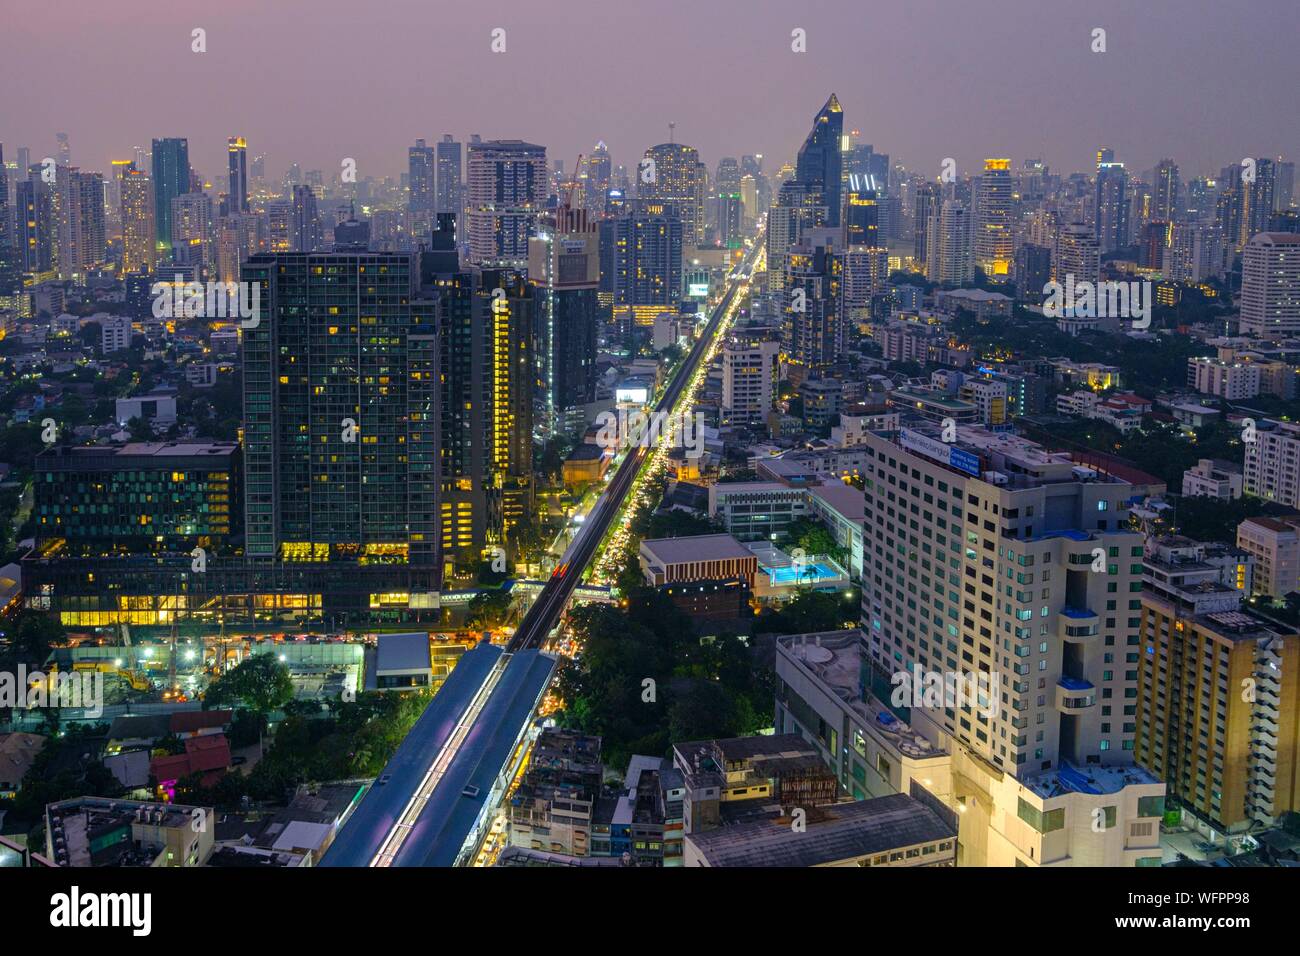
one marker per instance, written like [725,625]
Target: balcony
[1075,696]
[1078,624]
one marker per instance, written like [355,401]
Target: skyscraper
[564,270]
[139,249]
[507,193]
[5,241]
[818,163]
[420,163]
[1111,207]
[642,255]
[927,202]
[237,167]
[947,244]
[171,178]
[192,239]
[677,177]
[307,233]
[79,221]
[38,249]
[450,191]
[1165,206]
[1270,285]
[994,243]
[812,327]
[798,208]
[340,412]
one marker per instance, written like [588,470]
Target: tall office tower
[450,190]
[749,199]
[799,207]
[1270,285]
[5,202]
[65,149]
[192,234]
[727,176]
[1076,254]
[818,162]
[731,218]
[948,247]
[597,178]
[341,412]
[1166,192]
[1272,465]
[750,369]
[1195,252]
[79,221]
[308,236]
[1105,155]
[237,167]
[1283,186]
[1153,243]
[1200,199]
[1033,269]
[507,192]
[866,260]
[37,233]
[1220,686]
[994,243]
[642,251]
[420,177]
[679,178]
[513,368]
[564,271]
[983,549]
[239,238]
[139,248]
[812,323]
[279,225]
[925,208]
[1261,198]
[171,178]
[1111,207]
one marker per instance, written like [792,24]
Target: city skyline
[903,104]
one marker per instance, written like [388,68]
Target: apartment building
[1272,466]
[1213,478]
[1217,709]
[1274,544]
[995,557]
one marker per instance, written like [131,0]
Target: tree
[487,609]
[809,612]
[260,684]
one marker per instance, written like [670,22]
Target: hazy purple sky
[314,81]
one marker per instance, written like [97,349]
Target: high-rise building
[450,192]
[1111,207]
[1195,252]
[507,191]
[678,178]
[799,208]
[750,368]
[641,253]
[1166,198]
[193,239]
[1270,285]
[79,221]
[984,550]
[818,165]
[5,240]
[994,243]
[564,270]
[812,327]
[1218,694]
[139,247]
[37,246]
[948,246]
[239,238]
[420,179]
[341,411]
[925,208]
[171,178]
[237,168]
[308,235]
[1272,466]
[1076,254]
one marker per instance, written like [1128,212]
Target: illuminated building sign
[939,451]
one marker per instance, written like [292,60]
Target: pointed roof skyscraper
[819,162]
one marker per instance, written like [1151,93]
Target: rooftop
[702,547]
[847,831]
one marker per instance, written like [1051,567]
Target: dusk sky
[314,81]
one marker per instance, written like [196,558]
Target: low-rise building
[1275,545]
[98,831]
[1213,478]
[697,558]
